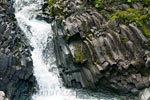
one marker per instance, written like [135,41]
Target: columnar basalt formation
[94,50]
[16,67]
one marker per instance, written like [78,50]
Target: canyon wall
[16,67]
[102,47]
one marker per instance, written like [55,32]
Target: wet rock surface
[16,67]
[93,53]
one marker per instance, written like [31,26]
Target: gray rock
[23,61]
[3,61]
[147,64]
[7,33]
[123,6]
[148,24]
[134,91]
[115,23]
[13,76]
[2,28]
[137,6]
[138,32]
[113,53]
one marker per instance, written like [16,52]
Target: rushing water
[39,34]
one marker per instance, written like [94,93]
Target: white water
[39,33]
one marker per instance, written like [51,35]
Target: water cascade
[39,34]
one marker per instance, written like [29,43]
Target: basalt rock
[91,53]
[16,67]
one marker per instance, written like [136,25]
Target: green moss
[78,54]
[99,3]
[144,2]
[51,4]
[146,31]
[123,39]
[78,57]
[104,12]
[56,11]
[133,15]
[149,41]
[129,15]
[113,18]
[109,55]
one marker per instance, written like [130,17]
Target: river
[40,34]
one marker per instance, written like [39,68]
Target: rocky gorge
[102,45]
[16,66]
[98,44]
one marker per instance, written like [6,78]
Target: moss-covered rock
[112,53]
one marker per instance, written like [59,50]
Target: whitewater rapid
[40,34]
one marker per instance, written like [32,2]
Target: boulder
[138,32]
[137,6]
[123,6]
[2,28]
[147,64]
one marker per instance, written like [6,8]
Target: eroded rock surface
[16,76]
[92,52]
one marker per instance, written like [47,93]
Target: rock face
[16,76]
[91,52]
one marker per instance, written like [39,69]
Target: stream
[40,34]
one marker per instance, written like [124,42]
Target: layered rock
[92,52]
[16,67]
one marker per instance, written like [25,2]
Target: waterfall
[40,34]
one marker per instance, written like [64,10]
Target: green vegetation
[99,4]
[51,4]
[123,39]
[134,15]
[144,2]
[78,57]
[109,55]
[129,15]
[78,54]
